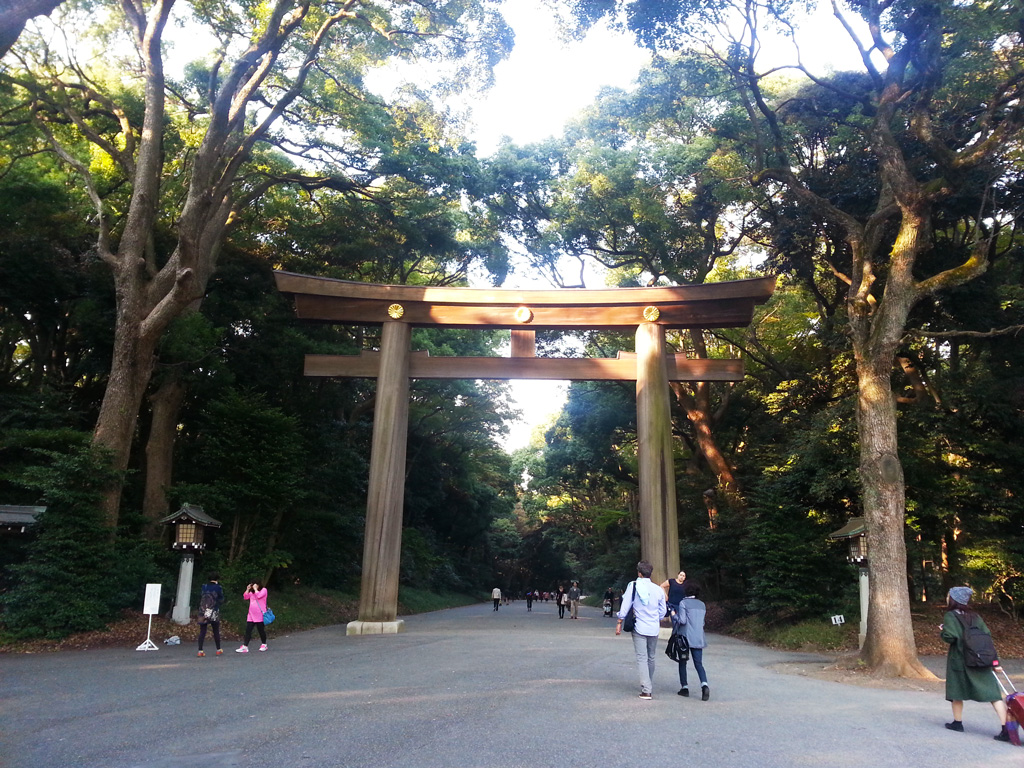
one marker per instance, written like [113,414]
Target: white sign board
[152,604]
[839,619]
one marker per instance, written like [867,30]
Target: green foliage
[249,457]
[413,600]
[996,569]
[296,608]
[74,578]
[794,569]
[425,565]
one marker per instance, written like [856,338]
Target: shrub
[66,583]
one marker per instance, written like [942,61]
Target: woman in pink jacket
[256,594]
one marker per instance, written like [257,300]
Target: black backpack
[208,607]
[979,650]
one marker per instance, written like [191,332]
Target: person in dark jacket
[574,600]
[963,682]
[211,596]
[561,600]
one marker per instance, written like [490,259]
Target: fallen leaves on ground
[128,631]
[1007,631]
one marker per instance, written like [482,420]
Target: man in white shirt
[648,602]
[496,597]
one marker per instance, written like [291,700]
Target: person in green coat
[963,682]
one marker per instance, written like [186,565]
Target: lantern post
[856,534]
[190,524]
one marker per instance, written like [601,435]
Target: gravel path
[464,687]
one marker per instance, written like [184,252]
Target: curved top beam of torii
[712,305]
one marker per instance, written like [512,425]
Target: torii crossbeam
[399,308]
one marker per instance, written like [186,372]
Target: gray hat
[961,595]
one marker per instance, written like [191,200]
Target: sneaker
[263,647]
[1002,735]
[957,725]
[201,653]
[705,693]
[645,696]
[242,649]
[220,651]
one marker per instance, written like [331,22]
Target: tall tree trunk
[130,370]
[889,646]
[166,404]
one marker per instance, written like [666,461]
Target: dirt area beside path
[848,670]
[846,667]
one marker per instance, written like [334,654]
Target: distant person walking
[574,600]
[496,597]
[688,617]
[211,597]
[529,600]
[648,603]
[256,594]
[964,682]
[561,599]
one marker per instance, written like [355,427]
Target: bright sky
[544,83]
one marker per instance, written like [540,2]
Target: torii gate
[647,311]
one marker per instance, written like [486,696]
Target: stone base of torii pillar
[375,627]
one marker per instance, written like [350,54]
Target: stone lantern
[856,534]
[190,524]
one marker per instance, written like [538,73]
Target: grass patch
[808,635]
[299,608]
[412,600]
[296,609]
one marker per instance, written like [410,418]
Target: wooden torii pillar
[398,308]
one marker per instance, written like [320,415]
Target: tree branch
[1010,330]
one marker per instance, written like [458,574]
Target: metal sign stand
[151,606]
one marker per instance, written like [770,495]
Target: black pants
[496,601]
[561,610]
[260,627]
[215,626]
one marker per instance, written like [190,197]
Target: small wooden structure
[398,308]
[18,519]
[190,524]
[855,533]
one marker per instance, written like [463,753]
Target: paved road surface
[466,687]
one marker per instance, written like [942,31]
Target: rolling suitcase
[1014,706]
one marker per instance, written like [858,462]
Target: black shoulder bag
[629,622]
